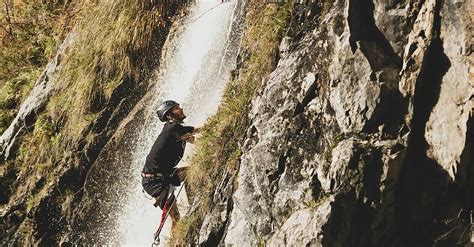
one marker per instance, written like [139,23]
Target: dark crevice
[388,114]
[280,170]
[316,188]
[382,58]
[331,184]
[273,178]
[373,169]
[465,175]
[425,194]
[48,219]
[353,163]
[310,95]
[7,183]
[230,207]
[215,238]
[373,44]
[253,131]
[455,229]
[298,109]
[348,223]
[301,125]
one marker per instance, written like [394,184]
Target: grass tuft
[327,155]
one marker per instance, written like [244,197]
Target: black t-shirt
[167,150]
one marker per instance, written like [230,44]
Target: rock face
[362,135]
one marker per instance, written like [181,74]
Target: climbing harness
[166,212]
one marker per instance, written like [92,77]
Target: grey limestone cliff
[362,135]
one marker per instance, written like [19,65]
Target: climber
[159,171]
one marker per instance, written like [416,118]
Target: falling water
[195,67]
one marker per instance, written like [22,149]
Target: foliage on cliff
[115,45]
[104,54]
[29,34]
[218,148]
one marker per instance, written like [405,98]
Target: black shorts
[154,186]
[158,187]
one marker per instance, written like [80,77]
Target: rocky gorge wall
[361,136]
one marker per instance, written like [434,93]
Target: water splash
[195,68]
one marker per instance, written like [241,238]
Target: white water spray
[193,72]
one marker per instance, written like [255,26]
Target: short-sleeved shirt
[167,150]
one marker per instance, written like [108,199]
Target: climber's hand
[188,138]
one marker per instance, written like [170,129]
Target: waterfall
[194,68]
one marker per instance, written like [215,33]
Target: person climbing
[159,171]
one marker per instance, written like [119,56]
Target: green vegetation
[110,39]
[13,93]
[260,241]
[327,155]
[184,227]
[113,40]
[109,49]
[29,33]
[315,203]
[311,203]
[34,199]
[217,149]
